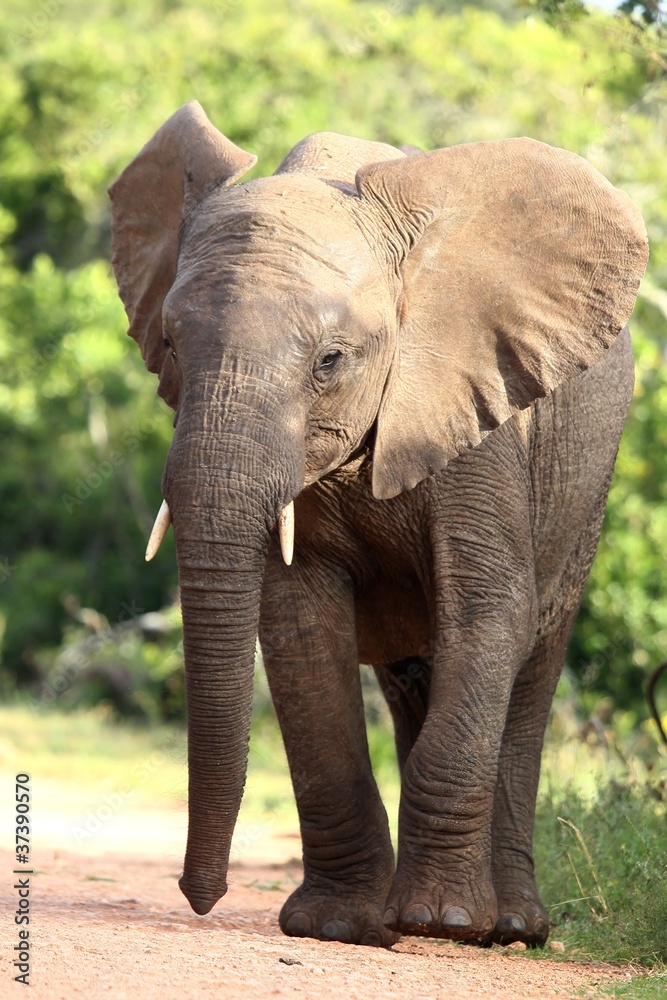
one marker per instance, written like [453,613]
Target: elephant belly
[392,620]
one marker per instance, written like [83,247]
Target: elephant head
[359,298]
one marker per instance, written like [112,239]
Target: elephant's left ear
[520,265]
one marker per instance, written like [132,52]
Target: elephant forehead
[283,318]
[293,196]
[287,221]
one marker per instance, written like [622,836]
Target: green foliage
[599,837]
[561,13]
[84,439]
[86,444]
[601,871]
[650,12]
[558,13]
[133,668]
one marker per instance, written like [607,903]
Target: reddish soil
[117,926]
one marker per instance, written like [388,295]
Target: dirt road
[117,926]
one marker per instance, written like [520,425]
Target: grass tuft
[602,871]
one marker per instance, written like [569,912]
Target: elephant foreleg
[485,617]
[443,885]
[310,653]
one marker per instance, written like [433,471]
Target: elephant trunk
[223,511]
[220,622]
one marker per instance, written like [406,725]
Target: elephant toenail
[372,939]
[510,927]
[298,924]
[456,919]
[336,930]
[516,923]
[390,919]
[540,930]
[417,915]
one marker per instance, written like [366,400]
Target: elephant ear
[519,266]
[334,157]
[184,160]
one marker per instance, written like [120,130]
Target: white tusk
[286,532]
[162,522]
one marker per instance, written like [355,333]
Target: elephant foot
[335,916]
[521,917]
[440,912]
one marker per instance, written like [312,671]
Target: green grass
[601,841]
[602,875]
[653,987]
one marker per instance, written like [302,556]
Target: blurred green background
[83,436]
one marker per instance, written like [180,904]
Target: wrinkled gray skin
[347,347]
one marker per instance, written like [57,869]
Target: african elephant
[410,371]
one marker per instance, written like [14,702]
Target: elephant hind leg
[521,913]
[405,686]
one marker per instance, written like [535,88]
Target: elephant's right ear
[185,158]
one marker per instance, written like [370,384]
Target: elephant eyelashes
[327,364]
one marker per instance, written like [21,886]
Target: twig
[581,888]
[578,899]
[587,855]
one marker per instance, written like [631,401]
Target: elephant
[400,380]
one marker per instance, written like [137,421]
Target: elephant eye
[168,344]
[328,363]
